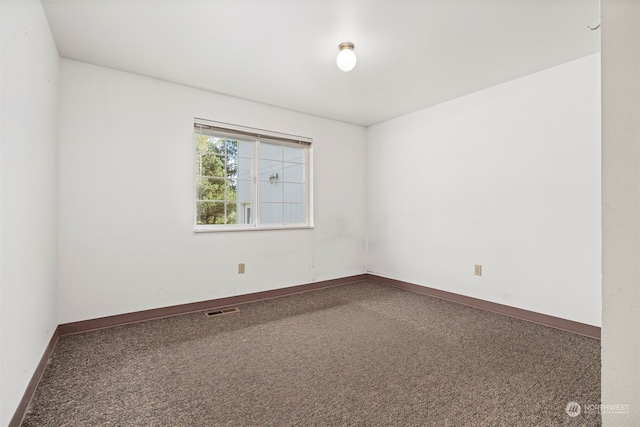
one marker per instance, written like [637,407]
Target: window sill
[204,229]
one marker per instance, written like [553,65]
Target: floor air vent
[222,311]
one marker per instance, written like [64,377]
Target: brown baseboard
[140,316]
[156,313]
[518,313]
[21,411]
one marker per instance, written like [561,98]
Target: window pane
[216,145]
[270,170]
[245,168]
[231,148]
[210,189]
[216,213]
[204,143]
[294,213]
[232,190]
[244,213]
[293,172]
[245,149]
[270,191]
[270,151]
[232,217]
[293,154]
[244,192]
[293,192]
[211,213]
[211,165]
[271,213]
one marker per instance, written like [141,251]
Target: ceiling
[412,54]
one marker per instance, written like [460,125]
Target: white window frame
[256,136]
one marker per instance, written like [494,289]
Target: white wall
[28,243]
[126,162]
[621,211]
[509,178]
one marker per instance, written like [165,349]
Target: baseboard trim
[157,313]
[175,310]
[518,313]
[23,406]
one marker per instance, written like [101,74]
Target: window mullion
[256,181]
[282,184]
[225,184]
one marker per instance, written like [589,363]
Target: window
[250,179]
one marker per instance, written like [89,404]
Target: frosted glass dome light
[346,59]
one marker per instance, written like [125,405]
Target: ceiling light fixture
[346,59]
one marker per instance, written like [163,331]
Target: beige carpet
[356,355]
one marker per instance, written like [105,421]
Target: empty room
[274,213]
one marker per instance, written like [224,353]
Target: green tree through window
[217,166]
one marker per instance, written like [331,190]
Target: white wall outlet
[478,270]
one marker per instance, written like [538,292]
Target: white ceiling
[411,54]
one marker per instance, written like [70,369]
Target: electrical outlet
[241,268]
[478,270]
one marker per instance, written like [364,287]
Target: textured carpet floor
[362,354]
